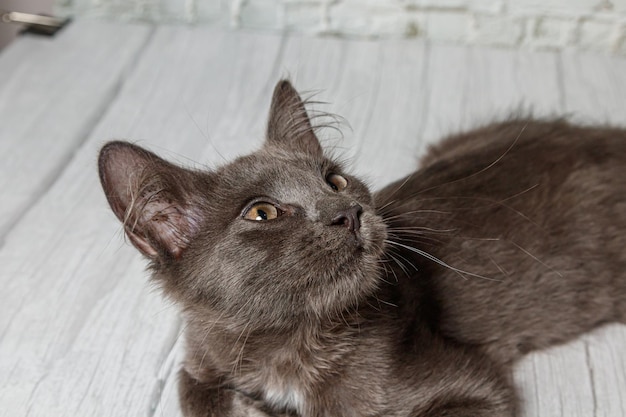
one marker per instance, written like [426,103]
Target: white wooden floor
[82,333]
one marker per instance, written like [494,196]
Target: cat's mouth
[358,240]
[371,235]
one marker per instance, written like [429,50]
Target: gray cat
[306,295]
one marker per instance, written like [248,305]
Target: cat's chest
[312,381]
[303,373]
[286,394]
[283,381]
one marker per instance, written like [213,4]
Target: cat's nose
[349,218]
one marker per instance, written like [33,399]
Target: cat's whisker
[492,164]
[386,302]
[485,239]
[440,262]
[502,270]
[415,237]
[392,270]
[411,236]
[396,190]
[377,308]
[413,212]
[239,358]
[382,263]
[408,262]
[398,260]
[490,202]
[400,264]
[343,318]
[206,334]
[300,120]
[422,229]
[535,258]
[383,209]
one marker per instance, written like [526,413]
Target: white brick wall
[541,24]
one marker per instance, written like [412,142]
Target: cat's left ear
[289,126]
[152,199]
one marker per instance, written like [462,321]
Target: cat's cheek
[374,232]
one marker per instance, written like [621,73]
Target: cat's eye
[336,181]
[261,212]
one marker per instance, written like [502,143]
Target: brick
[150,10]
[486,6]
[177,10]
[304,16]
[620,44]
[367,18]
[596,34]
[552,32]
[209,11]
[554,7]
[591,24]
[266,14]
[619,6]
[448,26]
[498,30]
[439,4]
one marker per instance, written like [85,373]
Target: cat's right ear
[151,197]
[289,126]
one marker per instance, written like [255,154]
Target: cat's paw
[473,408]
[469,412]
[243,406]
[199,399]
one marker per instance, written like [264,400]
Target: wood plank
[81,330]
[594,87]
[81,333]
[606,361]
[468,87]
[52,92]
[390,139]
[595,92]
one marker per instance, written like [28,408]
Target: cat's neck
[225,340]
[284,367]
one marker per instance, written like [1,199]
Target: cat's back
[548,135]
[537,167]
[519,228]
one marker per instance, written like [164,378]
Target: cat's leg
[500,402]
[472,408]
[620,297]
[199,399]
[452,380]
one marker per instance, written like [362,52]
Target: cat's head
[277,236]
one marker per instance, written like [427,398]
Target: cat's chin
[346,290]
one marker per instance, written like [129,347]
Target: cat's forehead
[292,179]
[269,169]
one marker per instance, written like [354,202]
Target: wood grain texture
[83,332]
[51,94]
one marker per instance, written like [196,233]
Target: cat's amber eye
[261,211]
[336,182]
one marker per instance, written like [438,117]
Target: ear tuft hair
[150,197]
[289,126]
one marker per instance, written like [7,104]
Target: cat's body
[540,213]
[305,295]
